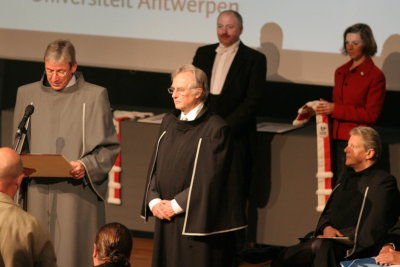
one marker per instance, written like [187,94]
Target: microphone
[28,112]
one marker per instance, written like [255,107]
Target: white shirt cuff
[175,206]
[391,244]
[154,202]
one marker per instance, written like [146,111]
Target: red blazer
[358,95]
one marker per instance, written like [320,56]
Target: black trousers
[312,253]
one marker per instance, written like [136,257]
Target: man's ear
[74,67]
[370,154]
[94,251]
[199,92]
[20,178]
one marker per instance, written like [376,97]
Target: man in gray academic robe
[72,118]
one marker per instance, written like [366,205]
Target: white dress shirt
[222,64]
[191,115]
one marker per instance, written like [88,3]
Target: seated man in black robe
[363,207]
[191,189]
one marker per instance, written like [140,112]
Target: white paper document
[275,127]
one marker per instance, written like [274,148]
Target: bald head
[11,170]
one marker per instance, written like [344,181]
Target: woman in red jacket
[359,91]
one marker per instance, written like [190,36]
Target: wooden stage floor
[142,251]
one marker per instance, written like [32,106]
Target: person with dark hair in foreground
[363,207]
[113,246]
[23,241]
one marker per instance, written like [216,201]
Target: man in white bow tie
[237,76]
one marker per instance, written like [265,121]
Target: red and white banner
[324,171]
[114,176]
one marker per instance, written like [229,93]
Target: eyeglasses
[179,90]
[58,73]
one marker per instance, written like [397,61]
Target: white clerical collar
[72,81]
[232,48]
[191,116]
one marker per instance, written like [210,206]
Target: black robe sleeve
[393,236]
[215,202]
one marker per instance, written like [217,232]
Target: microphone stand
[18,144]
[19,138]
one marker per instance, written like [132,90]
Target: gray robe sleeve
[101,145]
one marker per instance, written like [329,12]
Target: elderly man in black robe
[363,206]
[191,191]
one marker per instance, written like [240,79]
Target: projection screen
[301,38]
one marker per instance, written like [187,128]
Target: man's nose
[223,29]
[52,76]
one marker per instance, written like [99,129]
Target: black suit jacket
[242,89]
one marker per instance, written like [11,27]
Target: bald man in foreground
[23,241]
